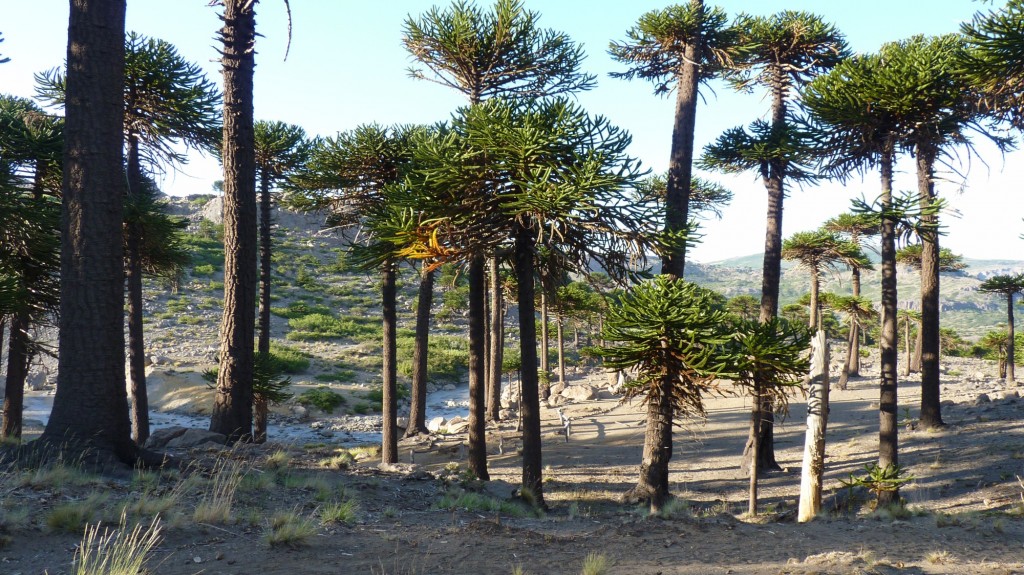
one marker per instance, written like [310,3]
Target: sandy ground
[966,512]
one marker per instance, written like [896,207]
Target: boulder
[159,438]
[435,424]
[456,428]
[213,211]
[982,399]
[579,392]
[557,388]
[36,380]
[195,438]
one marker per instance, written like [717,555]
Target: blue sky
[347,67]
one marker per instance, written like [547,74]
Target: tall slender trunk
[90,407]
[232,408]
[680,166]
[263,344]
[915,359]
[773,175]
[852,337]
[888,430]
[389,365]
[753,460]
[529,396]
[477,375]
[815,312]
[853,365]
[931,409]
[418,408]
[1009,344]
[133,276]
[545,371]
[906,347]
[497,343]
[561,350]
[813,466]
[260,417]
[17,373]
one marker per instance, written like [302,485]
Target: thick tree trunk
[263,344]
[931,409]
[529,393]
[545,370]
[652,484]
[817,422]
[418,407]
[17,373]
[888,430]
[497,343]
[91,404]
[1009,344]
[389,366]
[232,409]
[477,396]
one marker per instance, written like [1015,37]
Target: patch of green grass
[73,516]
[122,551]
[321,398]
[344,512]
[189,319]
[595,564]
[341,461]
[288,359]
[447,356]
[203,270]
[476,502]
[289,529]
[215,286]
[298,309]
[179,305]
[363,408]
[376,395]
[341,376]
[324,326]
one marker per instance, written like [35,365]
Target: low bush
[321,398]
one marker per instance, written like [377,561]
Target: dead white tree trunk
[817,420]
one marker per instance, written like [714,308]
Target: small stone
[220,556]
[197,559]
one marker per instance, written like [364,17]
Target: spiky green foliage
[994,60]
[497,52]
[168,100]
[948,261]
[821,251]
[707,198]
[1003,284]
[668,328]
[280,148]
[656,46]
[161,236]
[768,358]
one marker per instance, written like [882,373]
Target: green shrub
[179,305]
[341,376]
[376,395]
[203,270]
[298,309]
[215,286]
[189,320]
[447,356]
[321,398]
[323,326]
[288,359]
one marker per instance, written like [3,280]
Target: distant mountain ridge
[970,312]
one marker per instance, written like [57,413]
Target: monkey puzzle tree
[673,333]
[787,50]
[949,262]
[1008,286]
[820,251]
[911,320]
[90,408]
[501,52]
[30,148]
[678,48]
[858,312]
[168,101]
[232,408]
[855,227]
[994,60]
[555,177]
[349,174]
[766,359]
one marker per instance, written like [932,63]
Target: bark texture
[232,410]
[389,366]
[931,410]
[888,430]
[91,404]
[17,373]
[263,343]
[497,349]
[528,382]
[136,338]
[418,406]
[477,383]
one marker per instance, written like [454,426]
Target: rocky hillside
[970,312]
